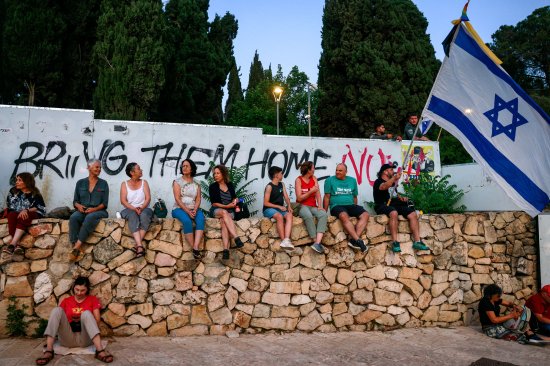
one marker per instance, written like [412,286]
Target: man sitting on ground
[388,202]
[341,194]
[540,307]
[380,133]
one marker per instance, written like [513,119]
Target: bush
[236,176]
[434,194]
[15,321]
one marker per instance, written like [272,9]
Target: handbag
[159,209]
[241,211]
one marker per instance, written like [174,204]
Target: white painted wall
[481,192]
[544,248]
[26,133]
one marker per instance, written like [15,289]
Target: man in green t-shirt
[341,195]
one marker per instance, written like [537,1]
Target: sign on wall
[54,144]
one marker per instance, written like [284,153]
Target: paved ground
[424,346]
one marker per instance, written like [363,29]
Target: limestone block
[104,293]
[16,269]
[222,316]
[39,265]
[43,287]
[366,283]
[388,285]
[431,314]
[449,316]
[199,315]
[143,321]
[44,309]
[412,286]
[410,273]
[190,330]
[40,229]
[261,311]
[264,257]
[330,274]
[324,297]
[438,288]
[285,312]
[263,273]
[376,273]
[274,323]
[287,275]
[257,284]
[459,253]
[276,299]
[307,273]
[362,296]
[241,319]
[367,316]
[250,297]
[63,286]
[345,276]
[310,322]
[285,287]
[405,299]
[131,290]
[175,250]
[439,276]
[37,253]
[385,319]
[161,313]
[312,259]
[157,330]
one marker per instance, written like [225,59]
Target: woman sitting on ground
[309,195]
[24,204]
[224,200]
[187,206]
[135,196]
[75,323]
[513,326]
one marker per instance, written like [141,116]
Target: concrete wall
[262,288]
[55,143]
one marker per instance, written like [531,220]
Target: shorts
[270,212]
[401,207]
[351,210]
[212,212]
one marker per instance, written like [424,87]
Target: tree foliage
[234,90]
[434,194]
[377,65]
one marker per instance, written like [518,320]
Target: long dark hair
[30,184]
[82,281]
[193,167]
[224,171]
[306,167]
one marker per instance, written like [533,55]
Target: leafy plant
[237,177]
[15,321]
[434,194]
[40,329]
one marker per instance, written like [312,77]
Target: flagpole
[439,134]
[405,161]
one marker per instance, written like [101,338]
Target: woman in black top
[513,326]
[24,204]
[224,200]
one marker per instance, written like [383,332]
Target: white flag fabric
[501,127]
[425,125]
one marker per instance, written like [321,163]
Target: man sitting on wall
[91,197]
[388,202]
[75,323]
[380,133]
[540,307]
[341,194]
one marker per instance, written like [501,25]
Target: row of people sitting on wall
[91,198]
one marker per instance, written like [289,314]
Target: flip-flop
[9,249]
[139,253]
[48,356]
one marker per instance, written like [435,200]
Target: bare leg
[137,237]
[348,226]
[361,224]
[189,238]
[230,224]
[142,233]
[198,238]
[78,244]
[288,225]
[49,343]
[319,237]
[17,236]
[225,235]
[280,225]
[97,342]
[393,225]
[413,223]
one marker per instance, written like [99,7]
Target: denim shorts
[270,212]
[212,212]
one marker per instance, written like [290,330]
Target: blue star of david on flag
[517,119]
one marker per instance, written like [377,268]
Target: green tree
[200,58]
[377,65]
[525,51]
[31,51]
[257,73]
[234,90]
[130,58]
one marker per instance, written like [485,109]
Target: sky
[288,32]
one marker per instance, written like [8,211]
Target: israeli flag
[501,127]
[425,125]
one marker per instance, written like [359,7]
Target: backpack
[242,212]
[159,209]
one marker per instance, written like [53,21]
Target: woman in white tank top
[135,196]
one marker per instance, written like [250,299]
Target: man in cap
[540,308]
[388,202]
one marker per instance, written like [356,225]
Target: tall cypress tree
[31,49]
[130,58]
[256,74]
[234,90]
[200,60]
[377,65]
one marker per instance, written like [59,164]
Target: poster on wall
[423,158]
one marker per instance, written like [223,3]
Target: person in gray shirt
[91,197]
[380,133]
[410,127]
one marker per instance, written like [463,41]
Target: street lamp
[277,94]
[309,87]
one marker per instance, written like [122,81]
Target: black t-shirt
[380,197]
[486,305]
[277,196]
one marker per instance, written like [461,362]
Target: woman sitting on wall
[224,200]
[513,326]
[24,204]
[187,206]
[309,195]
[135,196]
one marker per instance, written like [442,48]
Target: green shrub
[15,321]
[434,194]
[40,329]
[237,177]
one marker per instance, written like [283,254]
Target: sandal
[18,250]
[9,249]
[140,251]
[75,254]
[197,254]
[48,356]
[107,357]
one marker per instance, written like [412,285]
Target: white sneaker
[287,244]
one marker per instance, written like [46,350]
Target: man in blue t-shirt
[341,195]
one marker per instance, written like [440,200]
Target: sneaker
[364,248]
[225,254]
[418,245]
[287,244]
[318,247]
[534,338]
[197,254]
[238,243]
[396,247]
[352,243]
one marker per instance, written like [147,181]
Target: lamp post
[309,87]
[277,94]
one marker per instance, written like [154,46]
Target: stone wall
[262,288]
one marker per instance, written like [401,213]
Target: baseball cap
[384,167]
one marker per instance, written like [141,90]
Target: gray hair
[92,161]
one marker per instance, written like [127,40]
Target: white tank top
[135,197]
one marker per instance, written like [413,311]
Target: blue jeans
[187,221]
[270,212]
[81,225]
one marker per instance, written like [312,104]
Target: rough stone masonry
[262,288]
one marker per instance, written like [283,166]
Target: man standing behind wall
[411,126]
[341,195]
